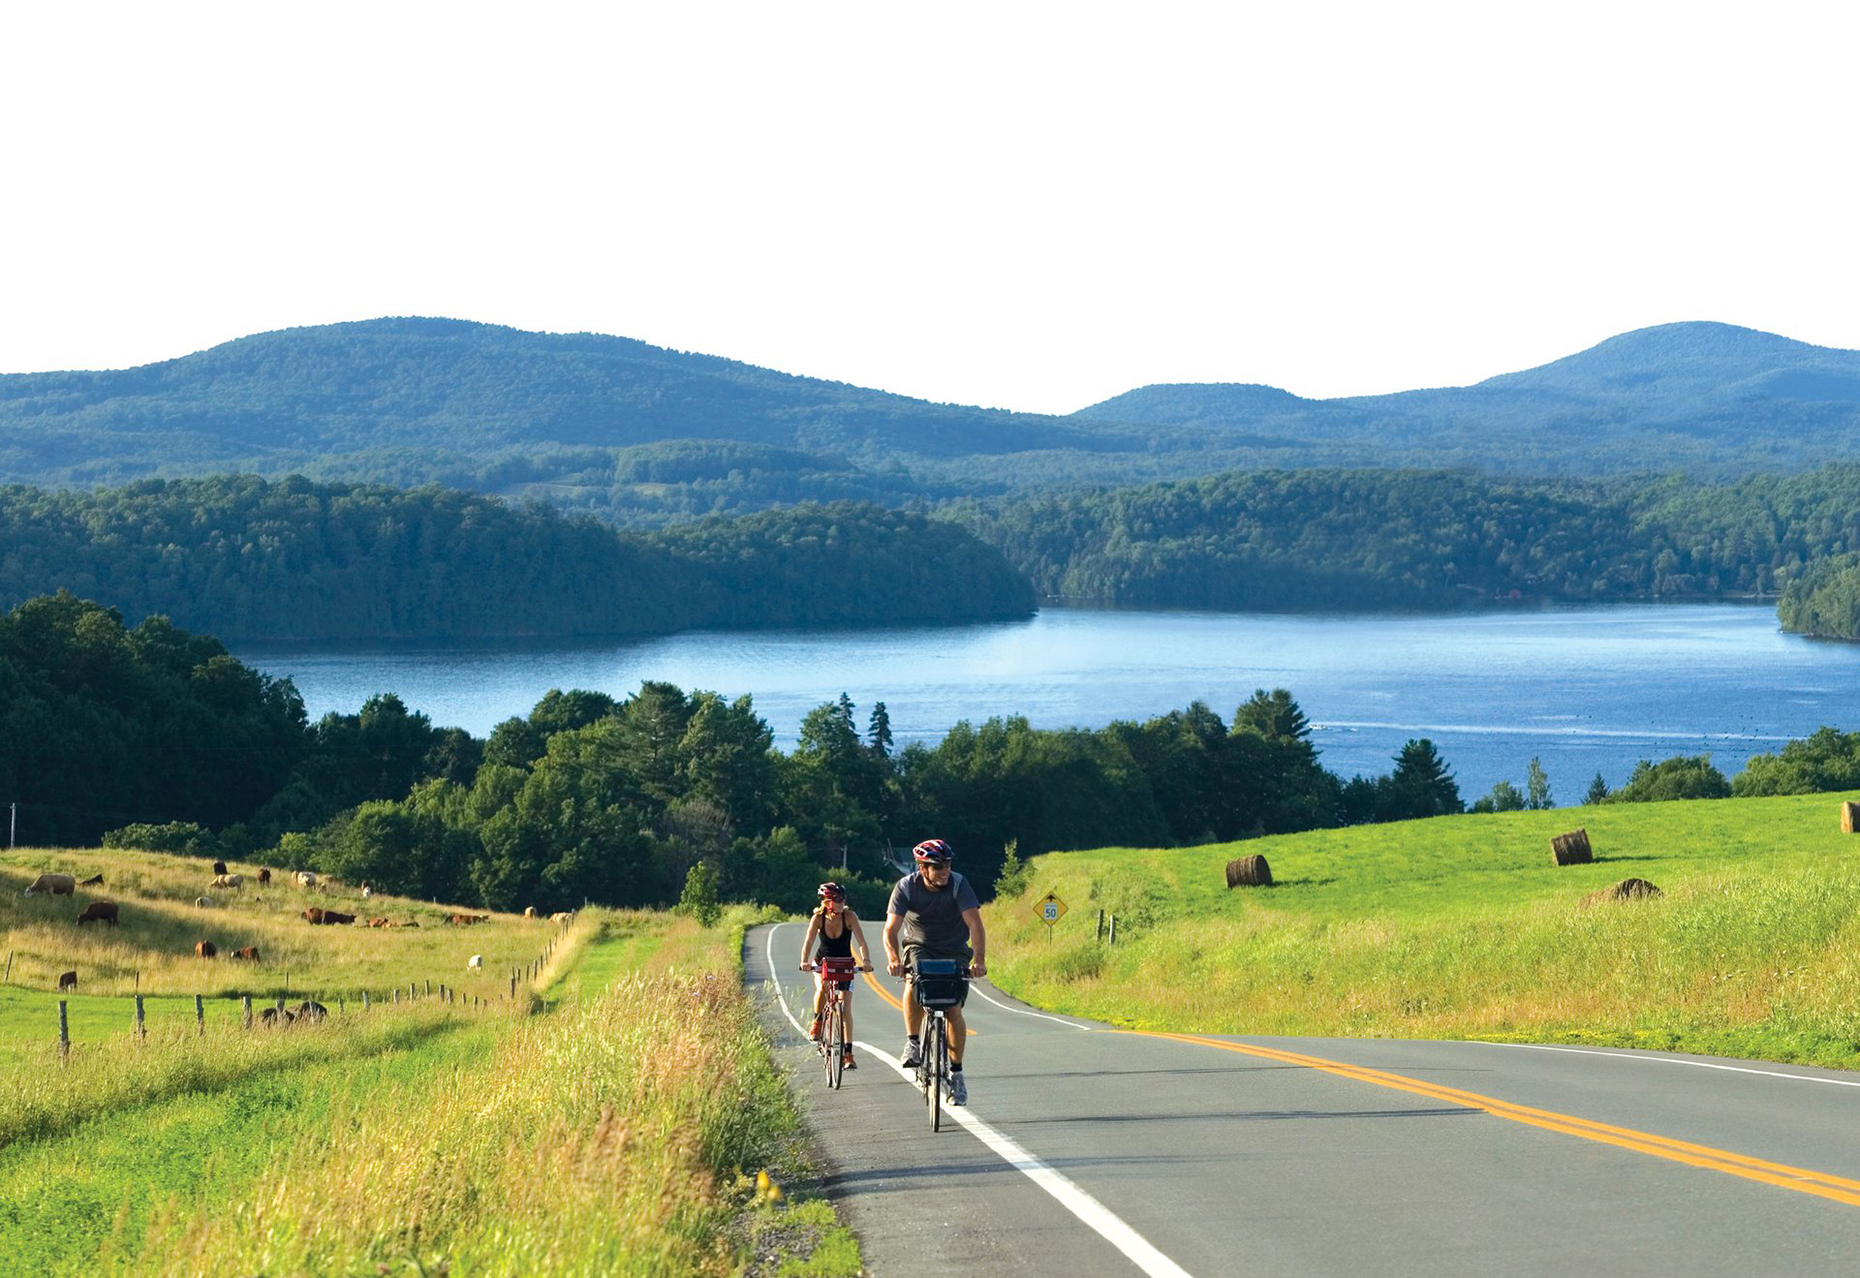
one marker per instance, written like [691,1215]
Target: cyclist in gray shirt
[934,913]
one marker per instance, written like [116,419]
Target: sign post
[1050,909]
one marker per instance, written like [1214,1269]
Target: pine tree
[1598,790]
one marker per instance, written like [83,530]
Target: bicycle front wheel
[833,1038]
[936,1065]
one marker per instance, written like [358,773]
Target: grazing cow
[411,923]
[67,981]
[204,902]
[305,879]
[205,949]
[52,884]
[368,889]
[476,960]
[228,881]
[562,916]
[264,878]
[95,880]
[378,923]
[272,1016]
[308,1011]
[219,867]
[330,916]
[99,910]
[529,911]
[313,915]
[249,952]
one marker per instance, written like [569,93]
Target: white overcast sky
[1032,206]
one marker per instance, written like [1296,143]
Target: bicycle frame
[834,1043]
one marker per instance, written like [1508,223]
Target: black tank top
[834,946]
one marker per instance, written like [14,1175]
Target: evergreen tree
[1598,790]
[878,731]
[1420,786]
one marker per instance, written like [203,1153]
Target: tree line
[247,558]
[150,736]
[1420,539]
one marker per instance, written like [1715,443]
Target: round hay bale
[1248,871]
[1572,848]
[1625,890]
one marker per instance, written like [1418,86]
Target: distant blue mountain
[641,433]
[1704,397]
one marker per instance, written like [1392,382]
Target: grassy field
[612,1119]
[1464,927]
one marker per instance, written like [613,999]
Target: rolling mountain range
[647,435]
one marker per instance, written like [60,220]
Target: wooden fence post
[364,1000]
[1101,927]
[1113,940]
[9,966]
[64,1035]
[142,1032]
[245,1007]
[200,1015]
[429,987]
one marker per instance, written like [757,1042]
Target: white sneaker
[913,1056]
[958,1090]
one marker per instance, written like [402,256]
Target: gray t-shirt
[933,920]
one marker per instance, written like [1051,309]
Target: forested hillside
[1420,539]
[1700,398]
[247,558]
[643,435]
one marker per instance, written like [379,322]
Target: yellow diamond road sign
[1050,908]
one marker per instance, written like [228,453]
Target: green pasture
[1464,927]
[545,1135]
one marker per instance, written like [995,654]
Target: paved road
[1087,1151]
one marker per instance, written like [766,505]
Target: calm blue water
[1587,690]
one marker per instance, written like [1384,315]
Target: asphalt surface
[1087,1150]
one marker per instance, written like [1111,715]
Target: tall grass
[597,1141]
[1462,927]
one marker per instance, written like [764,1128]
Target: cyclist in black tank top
[835,927]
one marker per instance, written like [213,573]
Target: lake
[1587,689]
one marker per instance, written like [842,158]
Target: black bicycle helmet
[933,850]
[832,892]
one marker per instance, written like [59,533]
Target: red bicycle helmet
[933,850]
[832,892]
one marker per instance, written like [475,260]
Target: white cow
[306,879]
[476,960]
[56,884]
[204,902]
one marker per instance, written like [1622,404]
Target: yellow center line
[1800,1179]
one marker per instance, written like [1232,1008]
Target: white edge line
[1021,1011]
[1672,1060]
[1135,1247]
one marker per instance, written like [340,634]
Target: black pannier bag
[939,982]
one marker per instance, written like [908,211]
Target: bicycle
[937,985]
[833,1044]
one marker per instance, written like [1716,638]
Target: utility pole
[12,823]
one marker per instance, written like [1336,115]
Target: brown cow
[205,949]
[99,910]
[246,952]
[378,923]
[264,878]
[330,916]
[54,884]
[67,981]
[95,880]
[313,915]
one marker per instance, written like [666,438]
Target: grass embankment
[1463,927]
[608,1136]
